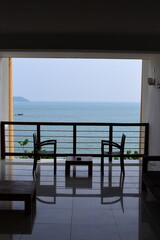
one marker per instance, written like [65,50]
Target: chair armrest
[147,159]
[110,143]
[48,142]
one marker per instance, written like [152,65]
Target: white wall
[144,90]
[151,103]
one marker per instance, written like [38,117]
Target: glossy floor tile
[79,207]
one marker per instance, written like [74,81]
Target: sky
[91,80]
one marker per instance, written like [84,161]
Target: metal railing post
[74,139]
[38,134]
[110,139]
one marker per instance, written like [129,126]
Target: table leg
[67,169]
[55,165]
[90,169]
[28,206]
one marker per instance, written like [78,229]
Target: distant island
[20,99]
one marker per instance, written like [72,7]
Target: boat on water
[19,114]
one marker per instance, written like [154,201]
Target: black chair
[111,153]
[39,152]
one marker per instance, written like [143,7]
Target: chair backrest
[123,142]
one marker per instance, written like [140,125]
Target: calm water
[77,112]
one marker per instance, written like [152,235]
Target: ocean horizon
[122,112]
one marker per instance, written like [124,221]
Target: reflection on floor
[79,207]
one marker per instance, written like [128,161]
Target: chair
[111,153]
[39,152]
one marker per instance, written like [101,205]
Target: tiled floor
[78,207]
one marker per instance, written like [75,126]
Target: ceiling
[80,25]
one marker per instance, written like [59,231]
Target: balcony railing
[73,138]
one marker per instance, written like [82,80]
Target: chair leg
[102,165]
[122,165]
[34,165]
[55,165]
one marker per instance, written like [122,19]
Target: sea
[107,112]
[93,112]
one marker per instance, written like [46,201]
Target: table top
[79,158]
[17,187]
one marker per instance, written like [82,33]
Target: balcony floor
[78,207]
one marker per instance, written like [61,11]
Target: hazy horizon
[75,101]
